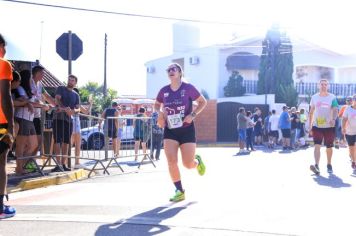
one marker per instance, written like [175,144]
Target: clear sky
[134,40]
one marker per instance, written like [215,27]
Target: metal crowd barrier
[97,141]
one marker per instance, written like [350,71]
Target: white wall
[347,75]
[202,75]
[253,99]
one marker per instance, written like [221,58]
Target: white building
[209,68]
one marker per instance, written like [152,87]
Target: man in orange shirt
[6,126]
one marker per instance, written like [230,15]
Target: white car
[92,138]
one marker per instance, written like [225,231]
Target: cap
[285,107]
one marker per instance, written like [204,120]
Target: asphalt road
[264,193]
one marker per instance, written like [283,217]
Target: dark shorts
[38,126]
[326,134]
[3,147]
[351,139]
[285,133]
[274,134]
[62,131]
[26,127]
[112,133]
[181,135]
[257,131]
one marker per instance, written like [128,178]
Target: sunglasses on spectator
[173,69]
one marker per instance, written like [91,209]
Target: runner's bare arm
[201,105]
[311,116]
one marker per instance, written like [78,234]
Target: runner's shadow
[333,181]
[144,224]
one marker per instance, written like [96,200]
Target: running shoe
[7,212]
[178,196]
[315,169]
[330,169]
[200,166]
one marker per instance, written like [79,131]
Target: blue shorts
[242,135]
[76,124]
[120,133]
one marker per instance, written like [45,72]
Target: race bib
[174,121]
[321,121]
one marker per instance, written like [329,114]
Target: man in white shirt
[273,129]
[40,96]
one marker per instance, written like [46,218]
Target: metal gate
[227,123]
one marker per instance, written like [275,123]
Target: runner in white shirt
[349,129]
[322,117]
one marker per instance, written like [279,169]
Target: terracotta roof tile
[50,81]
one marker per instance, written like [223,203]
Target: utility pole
[105,52]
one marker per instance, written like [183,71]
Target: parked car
[92,138]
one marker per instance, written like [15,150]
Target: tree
[234,87]
[99,102]
[276,68]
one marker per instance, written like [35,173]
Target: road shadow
[332,181]
[144,224]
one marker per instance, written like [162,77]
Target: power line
[128,14]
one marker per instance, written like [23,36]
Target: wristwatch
[193,114]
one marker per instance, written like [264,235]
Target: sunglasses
[173,69]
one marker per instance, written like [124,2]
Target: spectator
[26,140]
[76,136]
[241,129]
[266,126]
[111,115]
[67,104]
[140,132]
[294,125]
[257,130]
[249,131]
[273,129]
[157,137]
[285,125]
[39,96]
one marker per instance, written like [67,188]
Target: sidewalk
[36,180]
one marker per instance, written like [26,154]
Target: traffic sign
[63,47]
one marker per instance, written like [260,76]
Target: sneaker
[56,169]
[353,165]
[65,168]
[30,167]
[178,196]
[315,169]
[7,212]
[200,166]
[330,168]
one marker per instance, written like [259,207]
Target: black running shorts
[181,135]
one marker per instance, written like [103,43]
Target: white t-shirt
[323,113]
[274,121]
[23,112]
[350,114]
[36,90]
